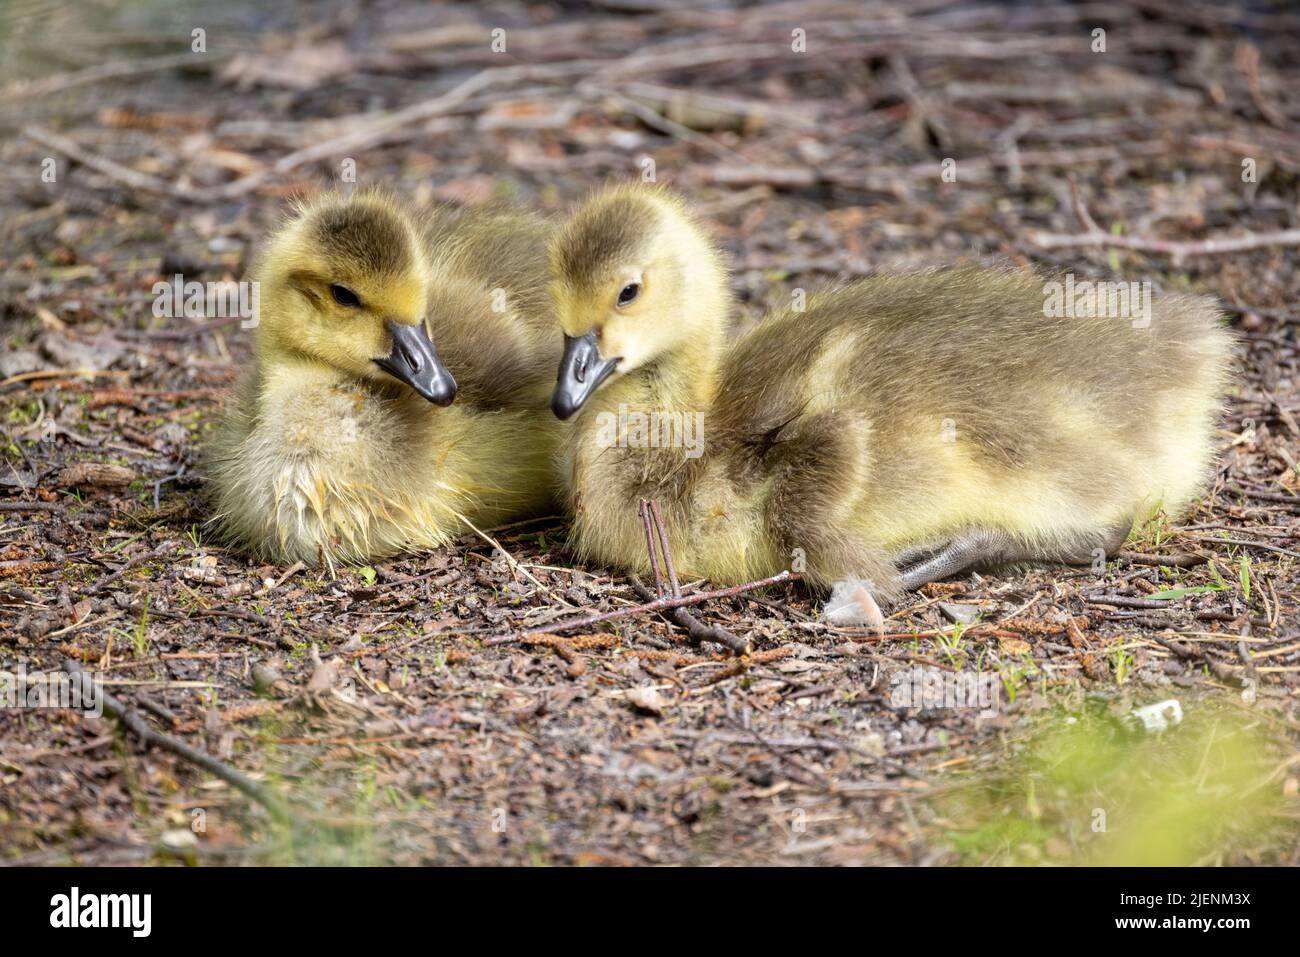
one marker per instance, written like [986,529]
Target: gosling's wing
[981,349]
[990,350]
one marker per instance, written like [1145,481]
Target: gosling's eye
[629,293]
[345,296]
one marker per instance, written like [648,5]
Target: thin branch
[664,124]
[514,563]
[1245,543]
[1220,670]
[696,630]
[663,542]
[110,168]
[138,726]
[643,509]
[660,604]
[1080,207]
[47,86]
[1169,561]
[53,507]
[130,563]
[1216,245]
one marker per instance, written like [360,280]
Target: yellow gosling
[897,429]
[342,444]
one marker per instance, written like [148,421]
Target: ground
[366,711]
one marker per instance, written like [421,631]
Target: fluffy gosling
[342,444]
[899,429]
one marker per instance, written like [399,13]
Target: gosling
[898,429]
[342,445]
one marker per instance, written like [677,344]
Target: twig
[514,563]
[1081,208]
[1170,561]
[663,543]
[105,71]
[643,509]
[660,604]
[113,170]
[1246,59]
[158,708]
[54,507]
[376,129]
[1122,601]
[697,630]
[289,572]
[240,614]
[130,564]
[664,124]
[653,521]
[1205,247]
[136,724]
[1221,671]
[923,109]
[1245,543]
[818,777]
[1281,497]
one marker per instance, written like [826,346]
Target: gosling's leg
[916,553]
[983,547]
[961,553]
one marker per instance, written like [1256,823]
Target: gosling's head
[634,279]
[345,285]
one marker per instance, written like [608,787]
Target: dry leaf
[1014,646]
[646,699]
[101,474]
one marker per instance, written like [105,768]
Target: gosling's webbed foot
[963,552]
[915,554]
[985,547]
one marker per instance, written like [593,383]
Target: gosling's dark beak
[415,361]
[582,370]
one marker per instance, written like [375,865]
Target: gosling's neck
[683,380]
[681,384]
[283,371]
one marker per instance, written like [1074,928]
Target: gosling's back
[979,408]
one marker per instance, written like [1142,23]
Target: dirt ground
[366,709]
